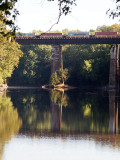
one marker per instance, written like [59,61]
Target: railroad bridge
[56,43]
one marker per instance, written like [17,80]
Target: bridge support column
[57,61]
[114,67]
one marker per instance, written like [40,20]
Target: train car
[25,34]
[51,35]
[78,34]
[106,34]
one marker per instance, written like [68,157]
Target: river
[51,125]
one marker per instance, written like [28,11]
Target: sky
[41,15]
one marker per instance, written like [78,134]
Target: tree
[8,14]
[54,79]
[116,12]
[9,57]
[59,76]
[34,66]
[112,28]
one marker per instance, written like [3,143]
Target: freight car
[25,34]
[78,34]
[106,34]
[51,35]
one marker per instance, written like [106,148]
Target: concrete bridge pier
[57,61]
[114,67]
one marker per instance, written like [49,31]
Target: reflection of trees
[34,110]
[35,119]
[58,100]
[86,113]
[83,114]
[9,121]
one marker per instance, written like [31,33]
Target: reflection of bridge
[57,51]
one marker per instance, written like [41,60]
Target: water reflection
[69,112]
[57,101]
[113,112]
[89,116]
[10,122]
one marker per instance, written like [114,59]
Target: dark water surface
[50,125]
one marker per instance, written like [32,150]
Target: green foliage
[55,79]
[8,15]
[9,57]
[59,76]
[34,66]
[87,64]
[112,28]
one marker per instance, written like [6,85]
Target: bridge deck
[63,41]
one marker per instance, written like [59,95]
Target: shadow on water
[39,113]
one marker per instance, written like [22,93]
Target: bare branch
[64,9]
[60,14]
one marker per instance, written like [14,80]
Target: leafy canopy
[59,76]
[9,56]
[8,14]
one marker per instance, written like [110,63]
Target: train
[25,34]
[70,35]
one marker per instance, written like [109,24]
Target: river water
[51,125]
